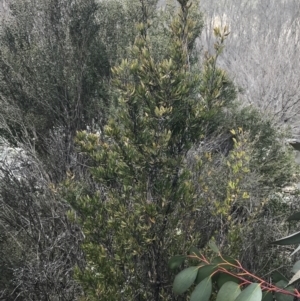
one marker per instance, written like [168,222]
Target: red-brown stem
[263,284]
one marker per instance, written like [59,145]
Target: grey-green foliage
[254,212]
[39,247]
[160,32]
[10,258]
[272,157]
[118,20]
[53,69]
[271,161]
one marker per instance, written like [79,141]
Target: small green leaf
[213,246]
[224,261]
[176,261]
[223,278]
[294,217]
[296,267]
[294,279]
[277,276]
[250,293]
[282,297]
[184,280]
[288,240]
[281,283]
[228,292]
[267,296]
[202,291]
[205,271]
[194,251]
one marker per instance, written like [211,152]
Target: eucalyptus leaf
[296,267]
[184,280]
[277,276]
[176,261]
[224,261]
[194,251]
[205,271]
[294,279]
[294,217]
[250,293]
[267,296]
[202,291]
[228,292]
[288,240]
[213,246]
[283,297]
[295,251]
[223,278]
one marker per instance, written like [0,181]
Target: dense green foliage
[139,164]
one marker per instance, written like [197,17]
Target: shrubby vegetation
[131,148]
